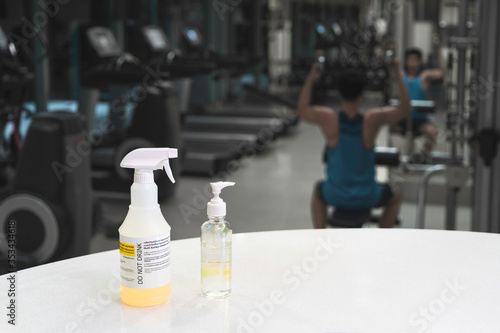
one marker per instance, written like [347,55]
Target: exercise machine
[486,125]
[204,152]
[459,118]
[103,64]
[230,119]
[48,209]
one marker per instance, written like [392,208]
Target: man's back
[351,166]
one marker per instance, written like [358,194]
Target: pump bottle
[145,234]
[216,241]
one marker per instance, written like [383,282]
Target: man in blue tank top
[418,80]
[350,137]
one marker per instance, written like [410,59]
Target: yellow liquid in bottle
[145,297]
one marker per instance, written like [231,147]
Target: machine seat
[349,218]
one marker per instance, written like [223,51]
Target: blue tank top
[416,93]
[350,168]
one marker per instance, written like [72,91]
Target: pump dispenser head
[216,206]
[145,160]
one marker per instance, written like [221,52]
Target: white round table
[334,280]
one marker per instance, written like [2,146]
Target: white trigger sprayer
[144,191]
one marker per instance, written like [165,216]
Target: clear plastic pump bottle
[216,238]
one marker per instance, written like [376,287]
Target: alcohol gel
[145,234]
[216,237]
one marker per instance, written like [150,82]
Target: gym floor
[273,190]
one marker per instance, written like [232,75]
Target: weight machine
[460,116]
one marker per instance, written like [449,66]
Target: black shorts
[416,124]
[385,197]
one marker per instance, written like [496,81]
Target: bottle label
[145,262]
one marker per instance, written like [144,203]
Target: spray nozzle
[145,160]
[216,206]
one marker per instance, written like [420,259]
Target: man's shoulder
[332,113]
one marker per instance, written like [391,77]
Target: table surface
[333,280]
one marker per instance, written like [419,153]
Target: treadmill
[269,106]
[206,151]
[269,125]
[105,66]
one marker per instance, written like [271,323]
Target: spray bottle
[216,237]
[145,234]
